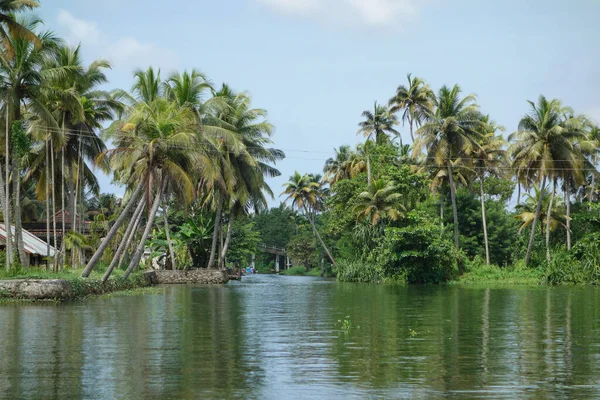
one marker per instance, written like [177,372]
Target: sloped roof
[33,244]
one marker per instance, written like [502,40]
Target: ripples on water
[275,337]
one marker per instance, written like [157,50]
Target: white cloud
[292,6]
[130,52]
[371,12]
[125,52]
[79,30]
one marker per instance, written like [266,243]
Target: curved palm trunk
[593,190]
[113,231]
[135,261]
[368,168]
[316,232]
[410,124]
[548,220]
[483,219]
[213,247]
[538,209]
[167,232]
[135,219]
[568,206]
[227,242]
[132,235]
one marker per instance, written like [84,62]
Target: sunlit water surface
[276,337]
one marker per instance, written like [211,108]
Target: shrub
[358,271]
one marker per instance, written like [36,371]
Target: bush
[358,271]
[479,273]
[419,252]
[297,270]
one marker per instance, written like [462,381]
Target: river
[276,337]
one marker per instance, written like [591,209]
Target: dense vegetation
[440,209]
[194,157]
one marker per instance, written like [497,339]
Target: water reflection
[279,337]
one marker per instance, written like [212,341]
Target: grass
[301,271]
[83,287]
[516,275]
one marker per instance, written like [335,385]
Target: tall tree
[378,123]
[306,195]
[450,133]
[381,202]
[542,147]
[414,101]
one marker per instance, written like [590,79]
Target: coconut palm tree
[414,101]
[21,82]
[340,166]
[380,203]
[306,195]
[11,28]
[528,207]
[487,158]
[378,123]
[544,145]
[450,133]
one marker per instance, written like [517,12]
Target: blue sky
[315,65]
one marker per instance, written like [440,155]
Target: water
[275,337]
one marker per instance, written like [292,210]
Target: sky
[315,65]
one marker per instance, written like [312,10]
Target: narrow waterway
[275,337]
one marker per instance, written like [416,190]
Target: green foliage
[276,226]
[358,271]
[417,251]
[479,273]
[296,270]
[244,241]
[302,250]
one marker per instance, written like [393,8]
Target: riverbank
[301,271]
[65,286]
[493,275]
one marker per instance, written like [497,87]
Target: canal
[276,337]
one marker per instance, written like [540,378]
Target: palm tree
[544,145]
[379,203]
[378,123]
[487,158]
[450,133]
[306,195]
[21,82]
[528,207]
[414,101]
[11,28]
[340,166]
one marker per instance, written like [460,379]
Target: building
[35,247]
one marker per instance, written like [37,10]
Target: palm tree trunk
[53,204]
[213,247]
[47,200]
[568,206]
[135,261]
[454,208]
[518,192]
[410,124]
[368,166]
[62,203]
[548,220]
[441,210]
[485,232]
[316,232]
[74,214]
[132,235]
[135,219]
[538,209]
[7,225]
[593,190]
[227,241]
[167,232]
[113,231]
[18,221]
